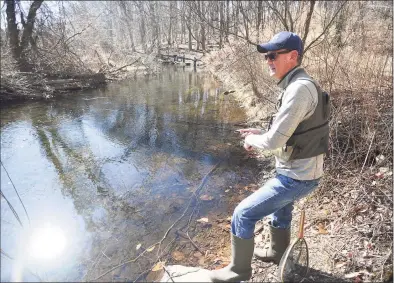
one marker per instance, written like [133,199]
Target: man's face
[283,62]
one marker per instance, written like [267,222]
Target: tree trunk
[189,28]
[221,24]
[28,28]
[196,33]
[203,27]
[236,21]
[158,33]
[19,47]
[129,20]
[227,19]
[12,29]
[259,14]
[169,39]
[196,27]
[308,20]
[190,37]
[246,21]
[140,6]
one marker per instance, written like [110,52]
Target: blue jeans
[276,199]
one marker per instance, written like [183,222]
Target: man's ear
[294,55]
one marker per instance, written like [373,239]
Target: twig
[168,274]
[388,256]
[187,237]
[366,157]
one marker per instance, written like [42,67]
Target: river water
[104,173]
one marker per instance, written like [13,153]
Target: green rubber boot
[274,250]
[240,268]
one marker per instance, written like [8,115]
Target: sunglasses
[272,56]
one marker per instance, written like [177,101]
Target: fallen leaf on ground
[226,191]
[158,266]
[384,170]
[379,175]
[203,220]
[340,264]
[352,275]
[357,273]
[138,247]
[150,249]
[206,197]
[322,229]
[178,255]
[251,187]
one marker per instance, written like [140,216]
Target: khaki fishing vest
[311,137]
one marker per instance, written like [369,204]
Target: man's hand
[247,147]
[246,132]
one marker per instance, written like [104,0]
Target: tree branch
[325,29]
[308,20]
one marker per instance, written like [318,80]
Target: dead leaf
[203,220]
[226,191]
[357,273]
[159,266]
[178,255]
[322,229]
[383,170]
[150,249]
[228,226]
[206,197]
[379,175]
[155,276]
[352,275]
[251,188]
[340,264]
[138,247]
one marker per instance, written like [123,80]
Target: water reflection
[105,170]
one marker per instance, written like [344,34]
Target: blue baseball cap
[283,40]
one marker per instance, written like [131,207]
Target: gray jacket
[299,100]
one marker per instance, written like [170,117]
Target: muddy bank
[45,84]
[23,86]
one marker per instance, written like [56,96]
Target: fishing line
[16,194]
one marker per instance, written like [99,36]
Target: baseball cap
[282,40]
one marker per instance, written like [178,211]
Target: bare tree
[18,45]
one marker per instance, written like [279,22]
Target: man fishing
[298,137]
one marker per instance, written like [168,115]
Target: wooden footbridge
[176,59]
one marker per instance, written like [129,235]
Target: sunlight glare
[47,242]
